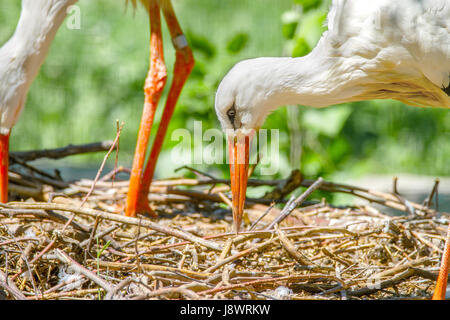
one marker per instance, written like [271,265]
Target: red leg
[184,62]
[4,160]
[441,285]
[154,85]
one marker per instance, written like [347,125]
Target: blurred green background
[94,76]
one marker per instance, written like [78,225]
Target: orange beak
[238,147]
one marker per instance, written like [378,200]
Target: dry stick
[100,235]
[434,191]
[117,154]
[110,295]
[65,283]
[31,168]
[23,258]
[243,236]
[119,130]
[6,242]
[336,258]
[383,284]
[294,204]
[9,286]
[123,219]
[426,242]
[275,281]
[198,172]
[36,258]
[394,185]
[262,216]
[71,294]
[42,214]
[55,182]
[241,254]
[385,199]
[180,290]
[63,152]
[126,267]
[46,249]
[112,173]
[91,236]
[290,248]
[69,221]
[64,258]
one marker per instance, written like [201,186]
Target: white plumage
[373,49]
[23,54]
[377,49]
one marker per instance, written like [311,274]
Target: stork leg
[4,160]
[154,85]
[441,285]
[184,62]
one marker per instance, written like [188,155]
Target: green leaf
[290,20]
[237,43]
[301,48]
[99,253]
[329,121]
[339,149]
[309,4]
[201,44]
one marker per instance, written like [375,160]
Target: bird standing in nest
[377,49]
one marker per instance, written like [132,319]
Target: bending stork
[378,49]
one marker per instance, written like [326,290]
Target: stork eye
[231,113]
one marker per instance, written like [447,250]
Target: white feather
[23,54]
[374,49]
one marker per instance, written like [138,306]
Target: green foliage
[237,43]
[308,4]
[328,122]
[301,48]
[290,20]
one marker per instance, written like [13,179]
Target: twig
[433,192]
[294,204]
[9,286]
[126,267]
[290,248]
[274,281]
[180,290]
[262,216]
[119,130]
[118,218]
[58,153]
[64,258]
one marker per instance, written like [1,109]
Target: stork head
[247,94]
[244,98]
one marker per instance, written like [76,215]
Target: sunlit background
[94,76]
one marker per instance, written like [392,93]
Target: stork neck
[316,80]
[37,27]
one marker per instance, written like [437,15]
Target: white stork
[22,56]
[377,49]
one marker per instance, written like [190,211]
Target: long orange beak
[238,147]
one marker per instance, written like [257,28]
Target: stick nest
[70,240]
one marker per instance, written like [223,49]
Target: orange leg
[4,160]
[184,62]
[441,285]
[183,66]
[154,85]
